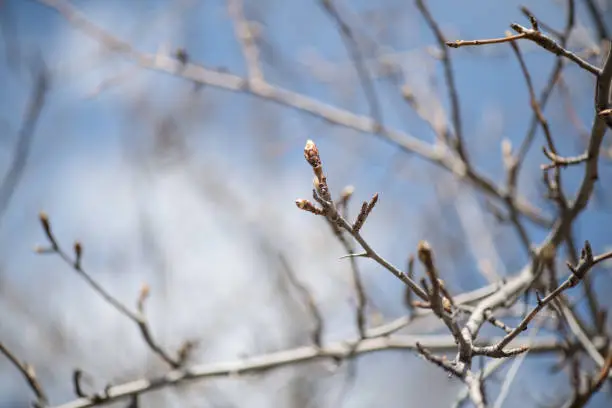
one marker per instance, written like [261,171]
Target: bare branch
[22,149]
[597,17]
[465,43]
[311,154]
[308,300]
[558,161]
[202,75]
[449,76]
[246,37]
[551,45]
[338,350]
[28,373]
[138,318]
[587,261]
[362,71]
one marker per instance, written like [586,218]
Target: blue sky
[185,222]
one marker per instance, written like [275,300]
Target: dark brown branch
[362,71]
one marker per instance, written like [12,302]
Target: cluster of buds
[311,154]
[323,196]
[366,209]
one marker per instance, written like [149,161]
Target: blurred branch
[362,71]
[200,74]
[26,133]
[513,371]
[551,45]
[458,142]
[553,80]
[464,338]
[139,318]
[482,375]
[308,300]
[582,395]
[27,371]
[247,39]
[597,17]
[338,350]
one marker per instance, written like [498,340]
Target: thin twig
[558,161]
[322,195]
[362,70]
[553,79]
[449,76]
[27,371]
[490,369]
[26,134]
[308,300]
[465,43]
[512,372]
[597,17]
[551,45]
[138,318]
[247,40]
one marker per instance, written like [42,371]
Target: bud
[144,294]
[308,206]
[446,304]
[44,220]
[78,251]
[407,93]
[347,192]
[311,153]
[145,290]
[506,147]
[424,253]
[182,56]
[317,184]
[373,202]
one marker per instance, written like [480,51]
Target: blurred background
[191,189]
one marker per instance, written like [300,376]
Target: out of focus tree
[452,249]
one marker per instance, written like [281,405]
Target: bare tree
[510,313]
